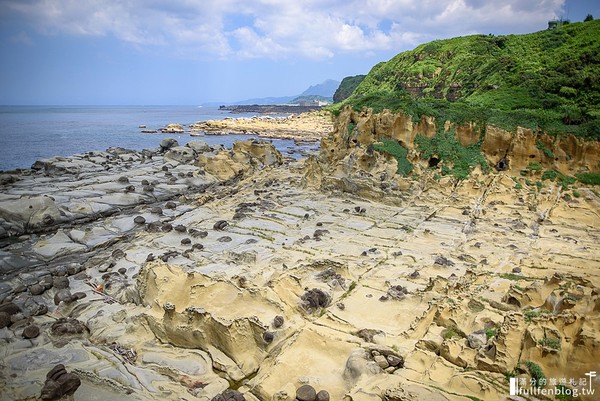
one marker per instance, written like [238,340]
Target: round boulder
[323,395]
[306,393]
[31,331]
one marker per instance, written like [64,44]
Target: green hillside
[548,80]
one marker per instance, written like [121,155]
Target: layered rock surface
[264,276]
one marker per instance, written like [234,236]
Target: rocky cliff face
[355,132]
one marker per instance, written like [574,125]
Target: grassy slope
[548,80]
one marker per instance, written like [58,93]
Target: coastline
[184,271]
[305,127]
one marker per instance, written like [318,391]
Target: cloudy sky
[195,51]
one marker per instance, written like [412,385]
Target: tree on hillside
[588,18]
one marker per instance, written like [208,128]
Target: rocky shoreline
[191,272]
[305,127]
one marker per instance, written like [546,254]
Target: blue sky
[195,51]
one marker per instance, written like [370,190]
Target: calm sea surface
[30,133]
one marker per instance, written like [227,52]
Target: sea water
[30,133]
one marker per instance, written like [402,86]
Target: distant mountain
[324,90]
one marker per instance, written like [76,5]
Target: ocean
[30,133]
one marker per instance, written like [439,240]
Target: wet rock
[68,326]
[139,220]
[186,241]
[197,247]
[59,383]
[31,331]
[225,238]
[278,321]
[323,395]
[129,188]
[315,298]
[220,225]
[306,393]
[123,180]
[4,320]
[156,210]
[73,268]
[170,205]
[229,395]
[37,289]
[122,270]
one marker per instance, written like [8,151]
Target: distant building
[557,23]
[312,103]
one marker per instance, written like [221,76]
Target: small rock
[306,393]
[395,361]
[220,225]
[31,331]
[129,188]
[225,239]
[67,325]
[180,228]
[381,361]
[60,282]
[198,247]
[315,298]
[145,182]
[186,241]
[167,227]
[268,337]
[156,210]
[516,270]
[123,180]
[59,383]
[73,268]
[323,395]
[170,205]
[37,289]
[278,321]
[122,270]
[139,220]
[229,395]
[443,261]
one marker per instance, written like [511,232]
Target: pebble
[139,220]
[278,321]
[60,283]
[186,241]
[268,337]
[220,225]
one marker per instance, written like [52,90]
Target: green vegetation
[445,147]
[491,332]
[546,80]
[588,178]
[450,333]
[531,314]
[536,372]
[393,148]
[549,342]
[563,180]
[544,149]
[346,87]
[576,194]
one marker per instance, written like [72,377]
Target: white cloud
[281,28]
